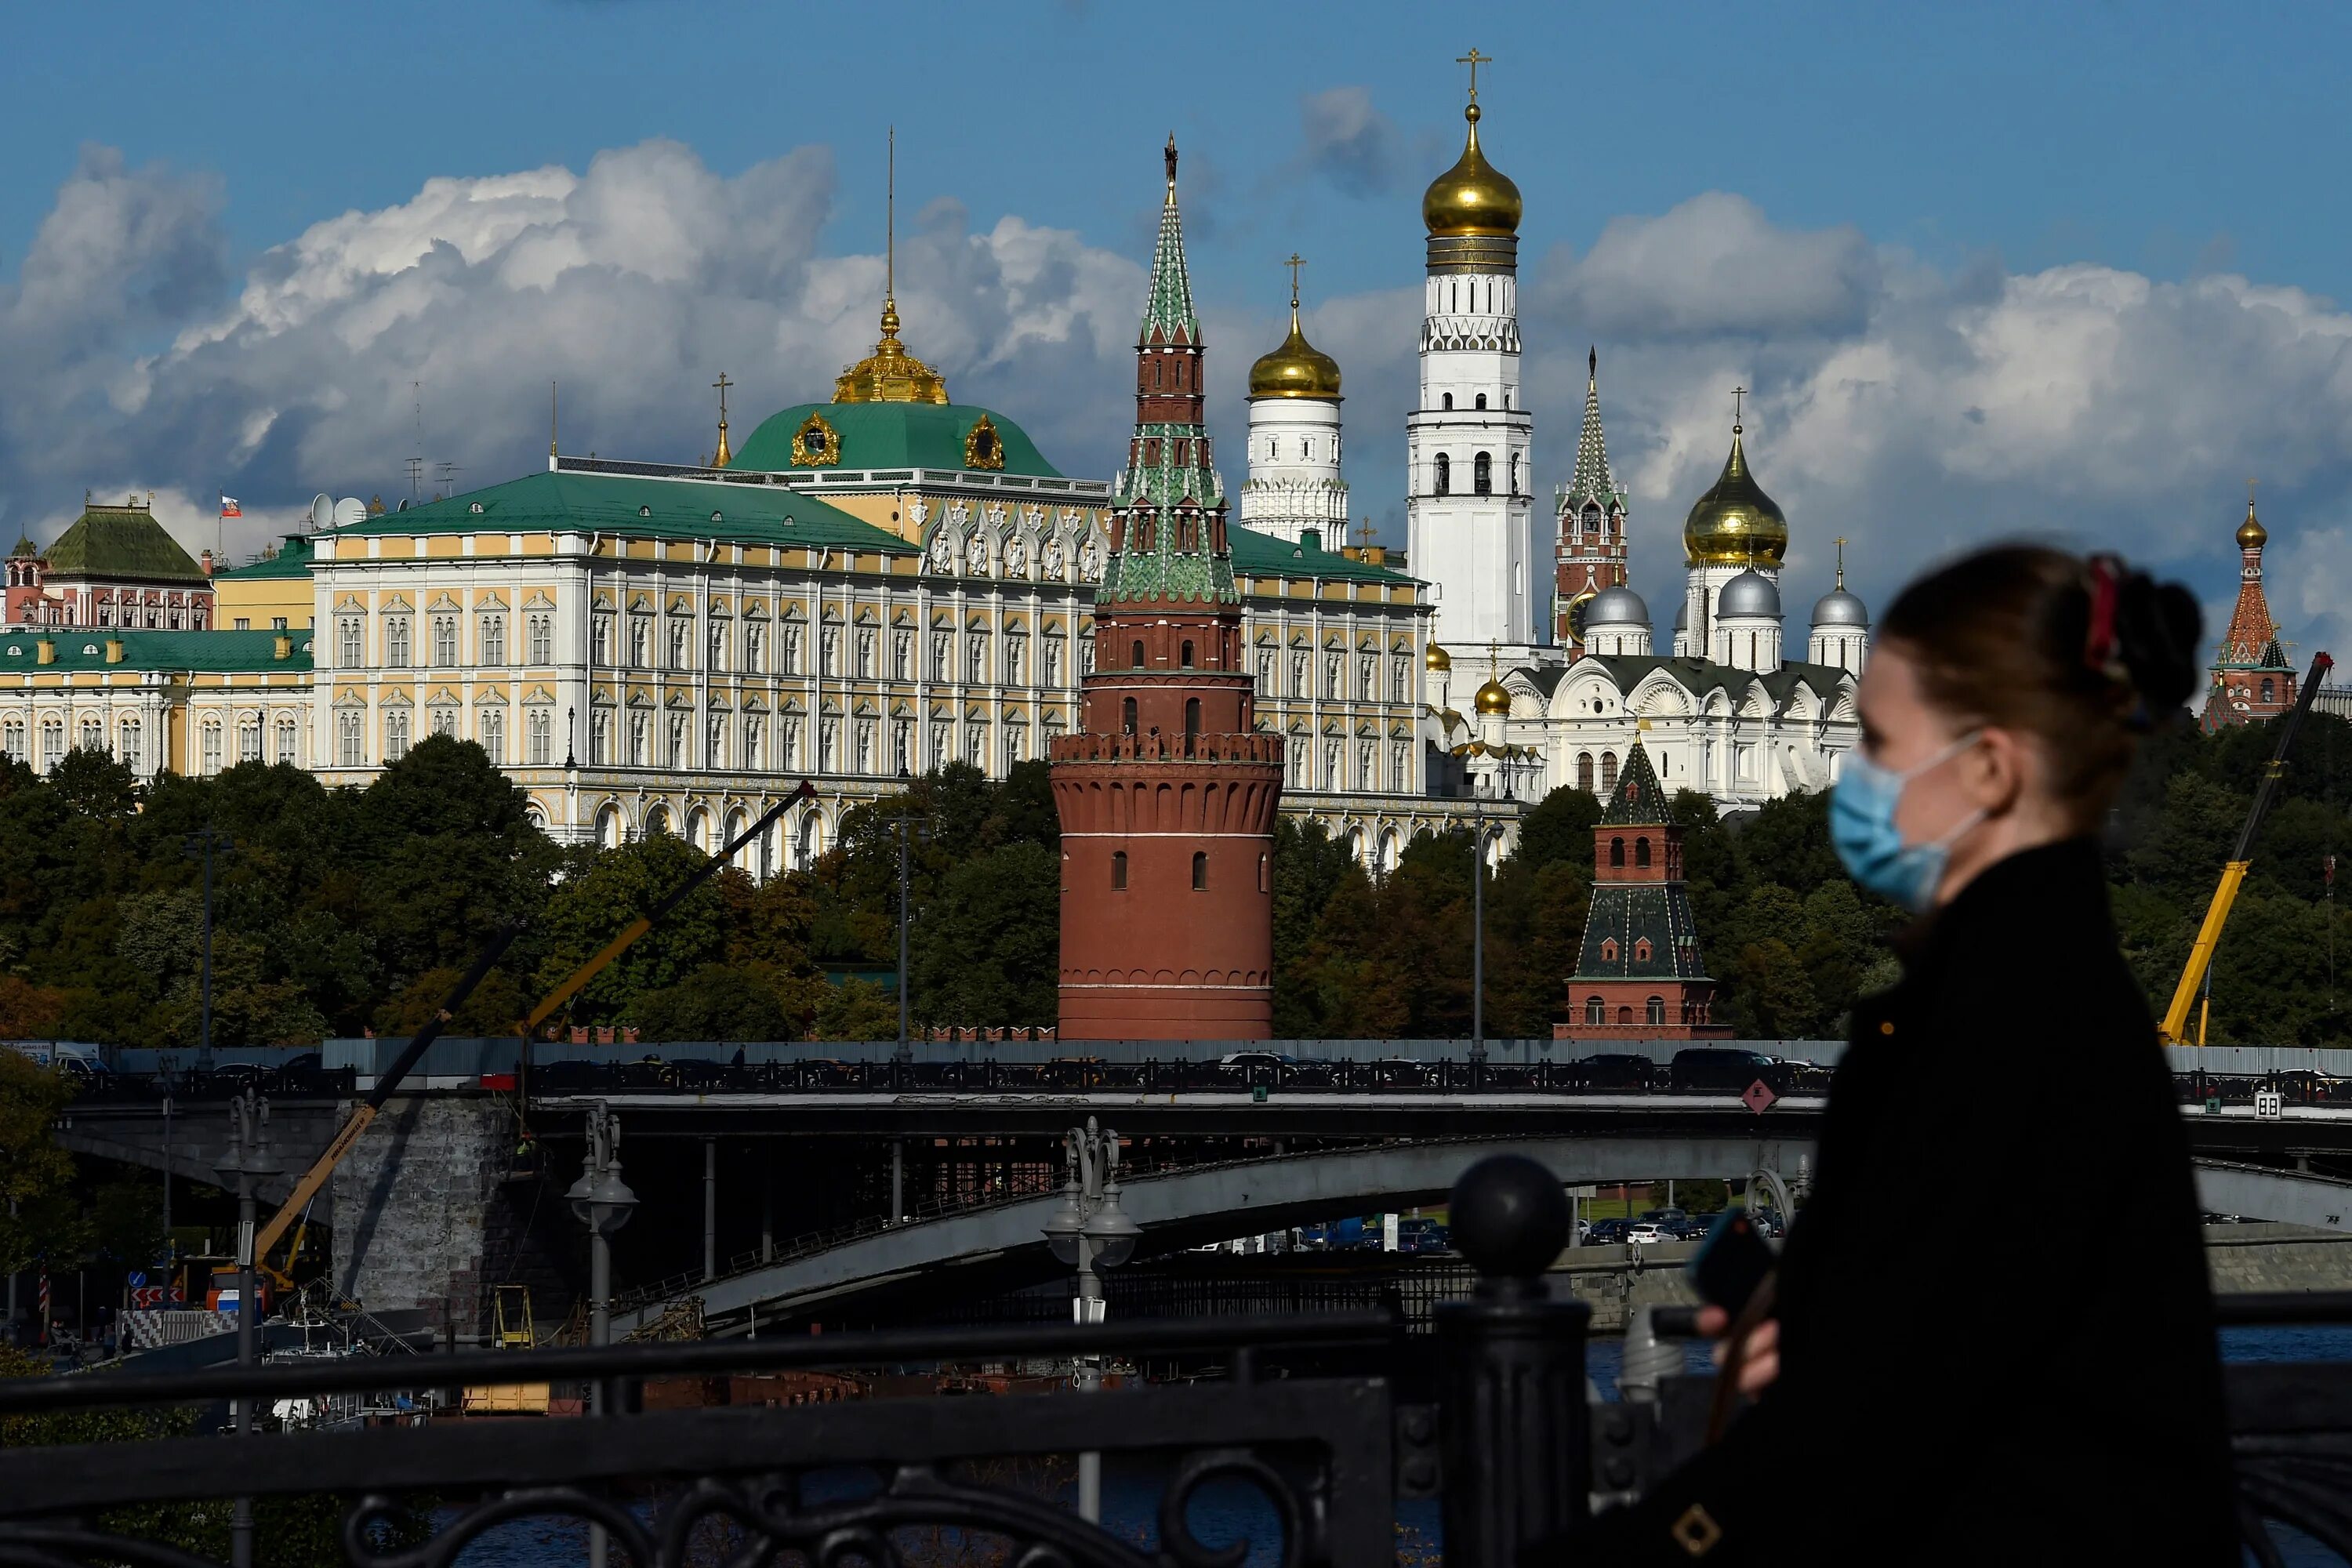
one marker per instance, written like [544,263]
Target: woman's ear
[1994,771]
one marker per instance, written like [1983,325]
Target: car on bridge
[1609,1069]
[1726,1069]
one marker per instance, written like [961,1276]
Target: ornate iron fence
[1333,1419]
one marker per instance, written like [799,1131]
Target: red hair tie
[2099,648]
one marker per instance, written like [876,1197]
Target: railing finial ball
[1510,1216]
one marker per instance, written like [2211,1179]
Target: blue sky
[2081,260]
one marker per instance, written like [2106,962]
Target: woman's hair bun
[2159,630]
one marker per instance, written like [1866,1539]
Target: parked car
[567,1076]
[1612,1070]
[1725,1069]
[1648,1233]
[1607,1232]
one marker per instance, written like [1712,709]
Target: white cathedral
[1517,702]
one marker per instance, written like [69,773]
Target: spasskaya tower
[1167,795]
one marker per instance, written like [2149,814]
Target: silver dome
[1840,608]
[1618,607]
[1682,616]
[1749,594]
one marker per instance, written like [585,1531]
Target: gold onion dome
[1436,658]
[1296,369]
[1472,197]
[889,374]
[2251,534]
[1735,523]
[1493,698]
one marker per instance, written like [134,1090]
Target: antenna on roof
[447,476]
[416,461]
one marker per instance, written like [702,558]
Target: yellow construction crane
[2174,1030]
[364,1115]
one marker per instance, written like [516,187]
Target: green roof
[892,436]
[84,648]
[121,543]
[1259,554]
[294,559]
[1638,800]
[643,508]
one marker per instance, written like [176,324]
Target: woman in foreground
[1992,1337]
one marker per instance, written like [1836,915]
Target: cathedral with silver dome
[1517,701]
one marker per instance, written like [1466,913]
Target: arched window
[1135,655]
[1617,852]
[1199,870]
[1185,657]
[1118,871]
[1625,1015]
[1445,469]
[1641,950]
[1482,474]
[1609,773]
[1481,400]
[1608,950]
[1595,1012]
[1642,851]
[1448,403]
[1584,772]
[2269,690]
[1657,1010]
[1127,716]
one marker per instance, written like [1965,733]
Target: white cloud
[1911,409]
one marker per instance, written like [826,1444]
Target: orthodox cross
[1365,532]
[1473,59]
[1841,570]
[1738,393]
[723,384]
[1295,263]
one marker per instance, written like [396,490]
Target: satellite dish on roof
[322,513]
[402,505]
[349,511]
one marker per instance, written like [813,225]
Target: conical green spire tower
[1168,538]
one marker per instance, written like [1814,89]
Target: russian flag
[229,506]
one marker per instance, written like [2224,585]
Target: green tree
[857,1010]
[987,950]
[618,886]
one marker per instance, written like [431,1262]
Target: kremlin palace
[874,584]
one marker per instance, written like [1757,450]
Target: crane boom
[2174,1030]
[389,1079]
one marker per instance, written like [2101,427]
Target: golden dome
[1296,369]
[1472,197]
[2251,534]
[1735,523]
[1436,658]
[1493,698]
[889,374]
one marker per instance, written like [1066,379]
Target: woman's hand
[1760,1355]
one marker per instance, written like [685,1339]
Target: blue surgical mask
[1863,830]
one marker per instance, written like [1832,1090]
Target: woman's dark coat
[1997,1332]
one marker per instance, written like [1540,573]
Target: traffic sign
[2269,1105]
[135,1278]
[1759,1097]
[148,1295]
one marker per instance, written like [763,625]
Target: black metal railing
[1339,1423]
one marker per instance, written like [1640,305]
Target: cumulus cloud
[1912,409]
[631,284]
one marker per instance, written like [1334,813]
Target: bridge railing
[1348,1434]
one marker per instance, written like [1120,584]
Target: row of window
[442,630]
[1305,449]
[1200,872]
[1302,673]
[1596,1012]
[1482,474]
[489,733]
[129,740]
[1298,772]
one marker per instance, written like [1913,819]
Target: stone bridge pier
[420,1216]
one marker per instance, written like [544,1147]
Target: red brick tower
[1589,554]
[1167,798]
[1639,976]
[2252,679]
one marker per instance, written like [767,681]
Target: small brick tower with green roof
[1167,795]
[1639,976]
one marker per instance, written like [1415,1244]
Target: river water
[1228,1511]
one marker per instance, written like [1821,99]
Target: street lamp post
[1477,947]
[905,828]
[250,1161]
[1091,1230]
[603,1202]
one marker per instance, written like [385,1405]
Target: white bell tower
[1469,506]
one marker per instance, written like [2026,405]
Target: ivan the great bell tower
[1167,796]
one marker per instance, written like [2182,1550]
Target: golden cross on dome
[1295,263]
[1473,59]
[723,384]
[2250,483]
[1738,393]
[1366,531]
